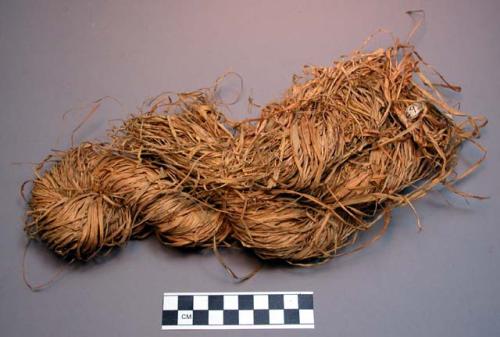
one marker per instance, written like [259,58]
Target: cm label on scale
[185,317]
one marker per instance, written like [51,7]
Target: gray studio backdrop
[61,55]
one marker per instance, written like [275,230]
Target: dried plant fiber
[343,147]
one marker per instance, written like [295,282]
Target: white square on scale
[245,316]
[185,317]
[261,302]
[276,316]
[200,302]
[291,301]
[306,316]
[215,317]
[230,302]
[170,302]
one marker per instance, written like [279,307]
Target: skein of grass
[342,148]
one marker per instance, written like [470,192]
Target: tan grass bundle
[343,147]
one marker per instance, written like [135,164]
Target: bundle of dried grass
[92,200]
[343,147]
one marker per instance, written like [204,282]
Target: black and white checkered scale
[264,310]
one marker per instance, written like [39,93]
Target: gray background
[58,55]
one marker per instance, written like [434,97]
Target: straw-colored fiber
[344,146]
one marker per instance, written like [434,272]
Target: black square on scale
[200,317]
[169,317]
[185,302]
[276,302]
[215,302]
[261,317]
[292,316]
[231,317]
[245,302]
[305,301]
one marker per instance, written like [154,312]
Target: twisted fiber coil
[298,184]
